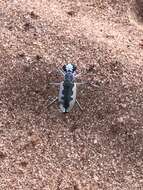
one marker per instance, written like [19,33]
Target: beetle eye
[64,67]
[74,68]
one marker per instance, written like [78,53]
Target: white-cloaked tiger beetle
[68,89]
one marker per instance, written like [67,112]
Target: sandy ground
[100,148]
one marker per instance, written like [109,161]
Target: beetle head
[69,68]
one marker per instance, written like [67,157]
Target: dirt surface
[100,148]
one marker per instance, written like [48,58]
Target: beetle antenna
[59,70]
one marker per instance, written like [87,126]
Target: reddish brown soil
[99,149]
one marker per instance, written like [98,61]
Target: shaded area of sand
[100,148]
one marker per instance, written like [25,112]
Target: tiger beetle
[67,89]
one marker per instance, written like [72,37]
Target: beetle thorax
[69,77]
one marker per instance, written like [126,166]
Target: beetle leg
[76,76]
[78,83]
[79,105]
[55,83]
[61,72]
[53,101]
